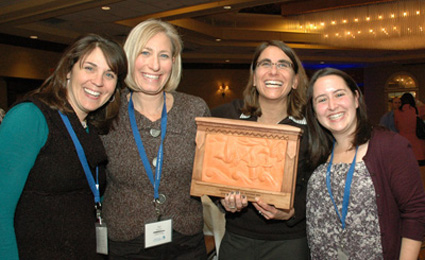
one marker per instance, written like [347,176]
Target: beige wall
[205,84]
[19,62]
[25,63]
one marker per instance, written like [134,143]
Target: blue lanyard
[347,189]
[94,185]
[140,147]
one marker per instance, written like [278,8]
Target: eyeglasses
[280,65]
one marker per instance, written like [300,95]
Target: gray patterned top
[127,205]
[361,238]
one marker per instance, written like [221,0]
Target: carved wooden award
[259,160]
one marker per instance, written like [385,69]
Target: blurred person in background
[2,114]
[387,119]
[405,122]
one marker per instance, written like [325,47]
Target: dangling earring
[113,98]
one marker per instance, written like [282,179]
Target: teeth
[91,92]
[334,117]
[151,76]
[273,83]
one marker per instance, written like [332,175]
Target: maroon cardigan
[400,195]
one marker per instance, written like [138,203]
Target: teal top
[23,133]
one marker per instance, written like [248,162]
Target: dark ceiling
[200,22]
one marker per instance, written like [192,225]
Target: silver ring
[231,207]
[261,213]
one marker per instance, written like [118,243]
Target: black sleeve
[303,174]
[230,110]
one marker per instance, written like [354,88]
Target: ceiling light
[227,7]
[218,40]
[34,37]
[106,8]
[365,23]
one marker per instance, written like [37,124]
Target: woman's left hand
[270,212]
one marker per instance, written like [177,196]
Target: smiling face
[153,65]
[335,105]
[91,83]
[274,83]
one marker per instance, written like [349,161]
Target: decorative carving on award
[259,160]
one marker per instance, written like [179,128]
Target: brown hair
[320,139]
[53,91]
[296,98]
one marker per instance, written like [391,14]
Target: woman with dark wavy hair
[405,122]
[51,158]
[275,94]
[365,199]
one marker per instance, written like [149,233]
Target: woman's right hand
[234,201]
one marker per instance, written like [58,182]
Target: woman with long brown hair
[51,158]
[275,94]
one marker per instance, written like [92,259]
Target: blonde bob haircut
[137,40]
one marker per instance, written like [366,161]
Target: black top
[248,222]
[55,216]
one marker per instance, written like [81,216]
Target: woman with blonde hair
[147,206]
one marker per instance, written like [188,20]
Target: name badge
[342,255]
[101,239]
[158,233]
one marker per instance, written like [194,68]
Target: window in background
[398,84]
